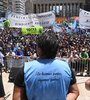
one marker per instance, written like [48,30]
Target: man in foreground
[46,78]
[2,93]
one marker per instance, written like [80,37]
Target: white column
[51,6]
[71,9]
[60,12]
[63,9]
[78,8]
[66,10]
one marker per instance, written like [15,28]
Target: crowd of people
[46,77]
[13,43]
[11,39]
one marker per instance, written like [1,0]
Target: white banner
[42,19]
[84,19]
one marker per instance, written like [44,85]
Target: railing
[80,66]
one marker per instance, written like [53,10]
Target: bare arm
[1,98]
[18,93]
[2,93]
[73,92]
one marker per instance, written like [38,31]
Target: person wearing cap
[46,78]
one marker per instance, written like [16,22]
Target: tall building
[19,6]
[3,7]
[29,6]
[10,5]
[65,8]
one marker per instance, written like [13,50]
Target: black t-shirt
[19,80]
[2,93]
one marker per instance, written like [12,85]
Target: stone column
[38,8]
[67,9]
[68,12]
[55,9]
[60,12]
[71,9]
[51,6]
[63,9]
[78,8]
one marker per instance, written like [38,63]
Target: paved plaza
[84,94]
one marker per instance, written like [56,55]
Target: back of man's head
[48,43]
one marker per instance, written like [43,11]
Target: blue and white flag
[57,28]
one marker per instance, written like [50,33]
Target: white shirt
[1,58]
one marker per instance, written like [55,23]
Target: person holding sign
[46,78]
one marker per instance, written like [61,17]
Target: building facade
[17,6]
[87,5]
[3,7]
[10,5]
[65,8]
[87,1]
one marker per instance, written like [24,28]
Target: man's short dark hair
[48,43]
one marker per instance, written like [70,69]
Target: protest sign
[43,19]
[84,19]
[32,30]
